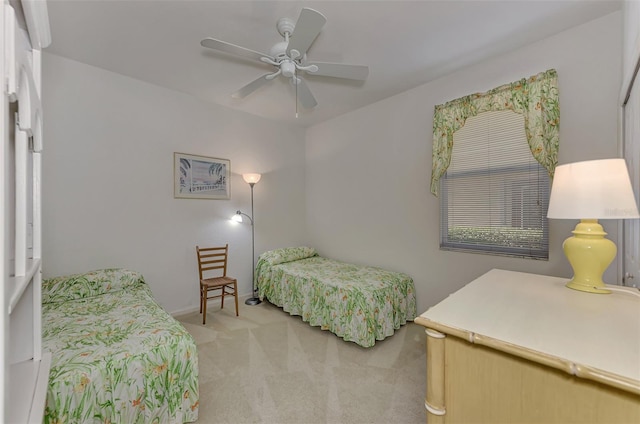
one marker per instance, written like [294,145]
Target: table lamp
[591,190]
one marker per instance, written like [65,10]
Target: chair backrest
[212,258]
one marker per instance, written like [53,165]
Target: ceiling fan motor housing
[279,50]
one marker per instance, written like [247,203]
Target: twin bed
[358,303]
[118,357]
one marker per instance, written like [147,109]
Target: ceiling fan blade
[212,43]
[307,28]
[305,96]
[251,87]
[340,70]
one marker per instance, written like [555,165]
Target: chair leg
[222,299]
[200,299]
[204,307]
[235,294]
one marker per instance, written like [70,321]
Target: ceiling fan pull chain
[295,80]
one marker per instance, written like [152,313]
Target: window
[494,194]
[496,183]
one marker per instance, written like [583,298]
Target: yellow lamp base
[589,254]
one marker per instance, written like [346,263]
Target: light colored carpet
[267,366]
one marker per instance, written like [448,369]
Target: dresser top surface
[539,313]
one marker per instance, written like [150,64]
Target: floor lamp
[251,179]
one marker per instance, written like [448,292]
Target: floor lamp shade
[251,178]
[589,191]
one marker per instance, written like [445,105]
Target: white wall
[108,181]
[368,172]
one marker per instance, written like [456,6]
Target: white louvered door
[631,227]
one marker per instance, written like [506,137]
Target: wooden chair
[212,259]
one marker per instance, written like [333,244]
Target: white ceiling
[404,43]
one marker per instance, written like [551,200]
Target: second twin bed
[361,304]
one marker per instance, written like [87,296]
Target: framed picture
[201,177]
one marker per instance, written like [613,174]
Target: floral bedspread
[358,303]
[117,356]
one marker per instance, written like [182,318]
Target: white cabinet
[23,33]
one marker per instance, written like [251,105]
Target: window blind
[494,194]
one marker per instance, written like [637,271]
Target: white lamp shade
[251,178]
[596,189]
[237,217]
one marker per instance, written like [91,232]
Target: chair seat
[217,281]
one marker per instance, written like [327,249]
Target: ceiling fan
[289,57]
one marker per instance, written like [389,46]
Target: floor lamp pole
[253,300]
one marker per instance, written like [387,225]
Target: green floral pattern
[118,357]
[358,303]
[536,98]
[94,283]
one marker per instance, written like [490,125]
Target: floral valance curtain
[536,98]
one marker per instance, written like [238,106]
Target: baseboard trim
[216,302]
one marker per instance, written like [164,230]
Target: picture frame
[201,177]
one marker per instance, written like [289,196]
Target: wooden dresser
[513,347]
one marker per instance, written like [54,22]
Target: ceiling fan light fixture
[288,68]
